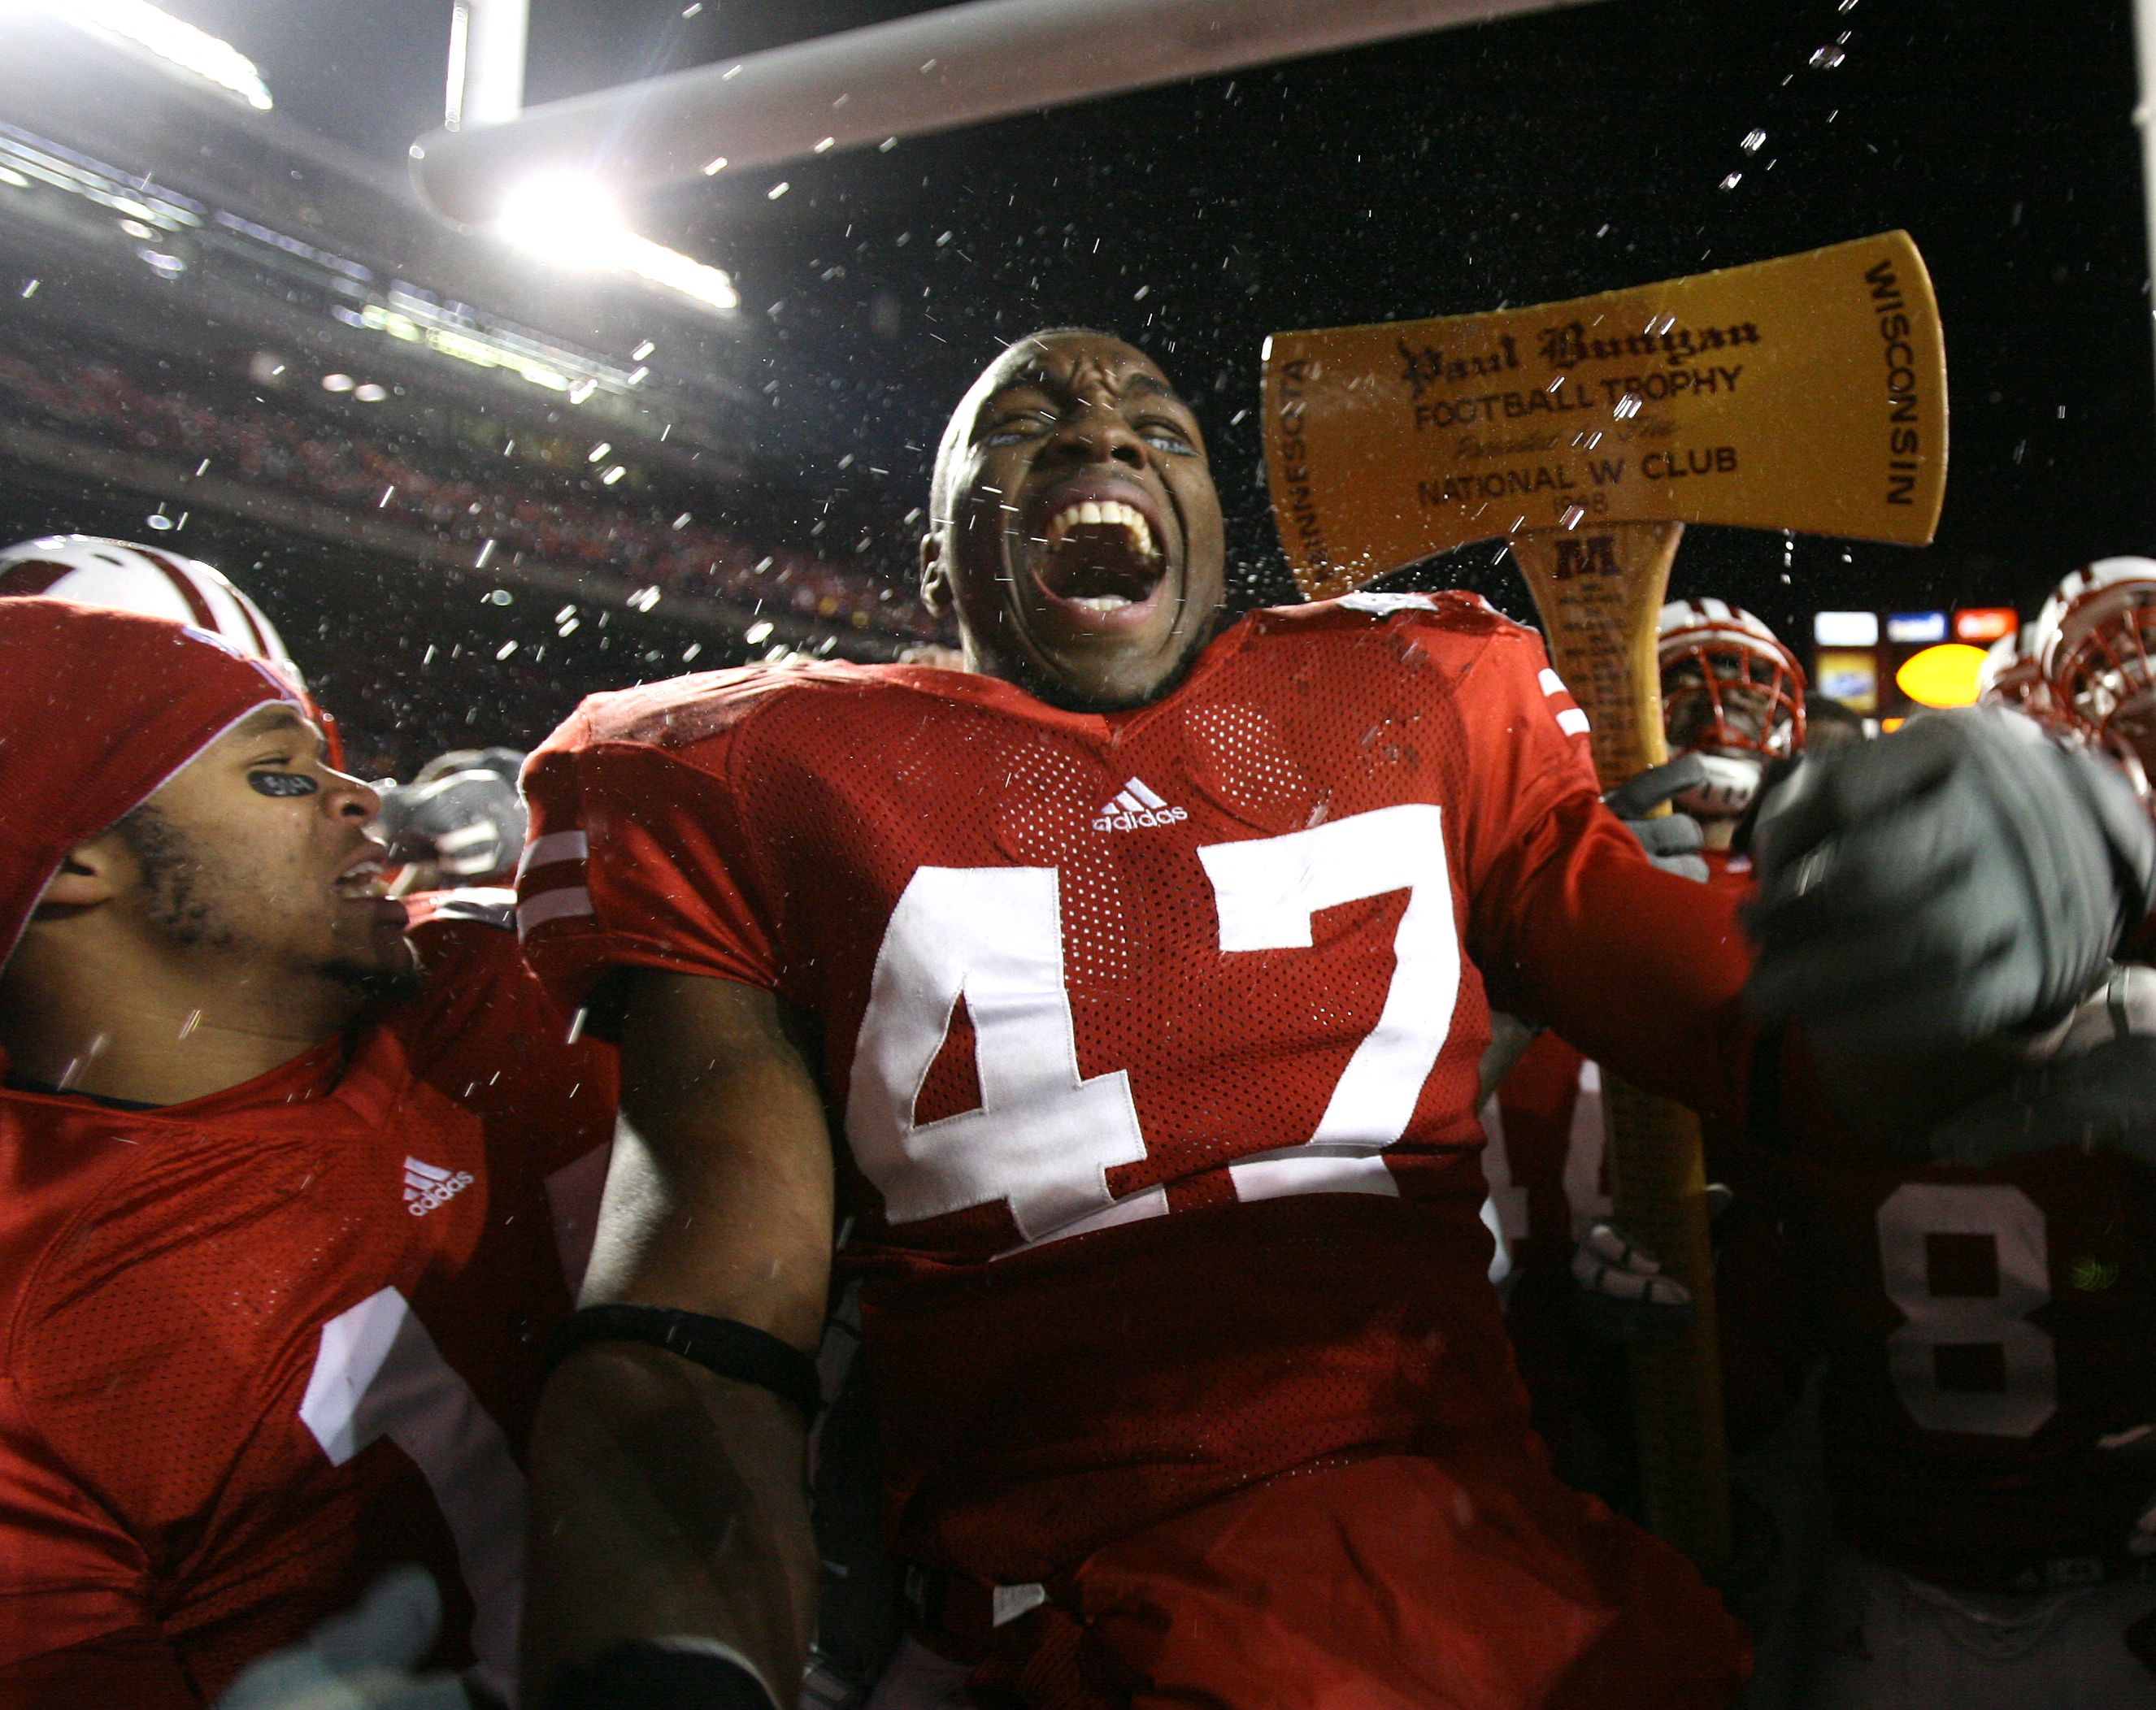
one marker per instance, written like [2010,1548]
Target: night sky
[1513,163]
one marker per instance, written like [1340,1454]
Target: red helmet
[1732,695]
[92,570]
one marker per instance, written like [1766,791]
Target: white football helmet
[2012,676]
[1732,695]
[2098,652]
[92,570]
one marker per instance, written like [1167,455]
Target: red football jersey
[1983,1330]
[261,1346]
[1202,983]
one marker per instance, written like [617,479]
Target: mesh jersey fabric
[1983,1330]
[250,1339]
[1090,987]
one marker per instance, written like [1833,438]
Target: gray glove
[1625,1295]
[1965,876]
[2093,1083]
[469,825]
[1672,841]
[360,1660]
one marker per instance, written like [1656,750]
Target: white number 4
[1043,1138]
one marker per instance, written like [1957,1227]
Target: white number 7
[1044,1138]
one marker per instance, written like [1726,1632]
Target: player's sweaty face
[1083,543]
[258,850]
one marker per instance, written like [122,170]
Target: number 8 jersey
[1152,1035]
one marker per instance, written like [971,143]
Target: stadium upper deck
[260,308]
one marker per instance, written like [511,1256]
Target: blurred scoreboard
[1863,659]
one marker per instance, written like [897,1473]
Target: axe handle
[1599,591]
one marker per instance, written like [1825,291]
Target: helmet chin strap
[1732,780]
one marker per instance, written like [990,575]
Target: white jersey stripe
[555,845]
[552,905]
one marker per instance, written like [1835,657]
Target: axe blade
[1807,393]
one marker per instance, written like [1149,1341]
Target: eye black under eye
[283,783]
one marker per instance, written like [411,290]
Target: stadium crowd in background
[552,518]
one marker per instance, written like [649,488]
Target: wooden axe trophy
[1804,394]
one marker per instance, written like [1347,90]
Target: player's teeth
[1100,513]
[1099,603]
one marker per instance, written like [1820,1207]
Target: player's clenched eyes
[283,783]
[1013,429]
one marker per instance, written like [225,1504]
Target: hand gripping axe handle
[1806,394]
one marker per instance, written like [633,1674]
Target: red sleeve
[1571,923]
[70,1575]
[637,857]
[133,1666]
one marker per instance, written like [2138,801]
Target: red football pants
[1395,1583]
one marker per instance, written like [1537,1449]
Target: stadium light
[175,45]
[568,220]
[571,222]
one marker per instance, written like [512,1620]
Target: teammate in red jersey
[1989,1333]
[275,1238]
[1145,968]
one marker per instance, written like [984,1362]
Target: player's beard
[172,890]
[375,986]
[181,900]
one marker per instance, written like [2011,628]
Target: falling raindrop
[1827,58]
[1753,142]
[1733,181]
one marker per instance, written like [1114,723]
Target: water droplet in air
[1827,58]
[1627,406]
[1753,140]
[1733,181]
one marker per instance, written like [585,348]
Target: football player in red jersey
[1145,969]
[274,1234]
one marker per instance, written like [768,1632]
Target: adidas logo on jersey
[427,1186]
[1136,805]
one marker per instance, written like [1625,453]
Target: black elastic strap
[730,1349]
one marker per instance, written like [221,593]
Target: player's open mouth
[1101,560]
[365,881]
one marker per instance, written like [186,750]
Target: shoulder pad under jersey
[478,905]
[1453,610]
[683,711]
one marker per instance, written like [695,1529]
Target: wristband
[725,1346]
[662,1674]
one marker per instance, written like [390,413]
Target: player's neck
[90,1017]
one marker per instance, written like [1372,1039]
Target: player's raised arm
[671,1538]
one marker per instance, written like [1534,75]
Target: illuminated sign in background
[1888,664]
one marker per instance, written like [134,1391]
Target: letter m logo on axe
[1806,394]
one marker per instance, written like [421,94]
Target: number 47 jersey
[1152,1035]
